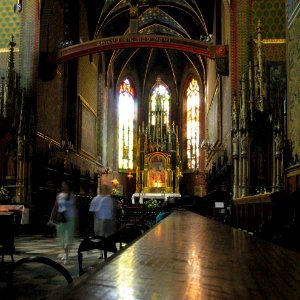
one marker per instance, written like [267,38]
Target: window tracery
[126,121]
[193,124]
[160,100]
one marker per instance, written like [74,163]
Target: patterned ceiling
[270,13]
[9,23]
[186,16]
[180,18]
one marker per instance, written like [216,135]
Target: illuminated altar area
[158,162]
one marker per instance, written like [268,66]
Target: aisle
[37,273]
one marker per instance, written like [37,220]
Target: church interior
[192,102]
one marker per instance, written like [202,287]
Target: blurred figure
[165,211]
[65,208]
[105,208]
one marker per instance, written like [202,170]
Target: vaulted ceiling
[180,18]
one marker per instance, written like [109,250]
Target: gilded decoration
[257,122]
[274,49]
[157,170]
[159,167]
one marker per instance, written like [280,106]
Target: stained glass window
[193,124]
[160,100]
[126,118]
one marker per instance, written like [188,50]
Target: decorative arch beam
[141,41]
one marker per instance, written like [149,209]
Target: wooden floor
[188,256]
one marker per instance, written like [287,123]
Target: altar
[158,168]
[19,211]
[166,197]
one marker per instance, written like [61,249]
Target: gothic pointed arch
[159,99]
[191,124]
[126,117]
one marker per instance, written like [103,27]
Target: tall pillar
[134,18]
[20,188]
[29,53]
[245,175]
[240,176]
[244,162]
[21,140]
[235,156]
[235,146]
[29,44]
[99,183]
[277,168]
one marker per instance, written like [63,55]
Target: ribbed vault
[180,18]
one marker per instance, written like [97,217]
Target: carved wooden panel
[88,138]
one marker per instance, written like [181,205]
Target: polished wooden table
[187,256]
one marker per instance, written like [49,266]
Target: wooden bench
[7,234]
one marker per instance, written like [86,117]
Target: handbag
[60,217]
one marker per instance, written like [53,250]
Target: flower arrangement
[115,192]
[4,193]
[152,204]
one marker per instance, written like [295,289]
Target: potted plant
[4,195]
[152,204]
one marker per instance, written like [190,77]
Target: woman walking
[63,216]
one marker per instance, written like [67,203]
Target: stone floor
[42,278]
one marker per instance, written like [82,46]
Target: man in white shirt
[105,209]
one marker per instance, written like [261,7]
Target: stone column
[99,183]
[277,184]
[244,162]
[29,44]
[134,19]
[20,169]
[235,156]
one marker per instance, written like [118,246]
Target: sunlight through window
[160,99]
[193,124]
[126,118]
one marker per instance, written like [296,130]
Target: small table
[17,209]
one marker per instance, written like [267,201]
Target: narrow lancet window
[159,103]
[193,124]
[126,118]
